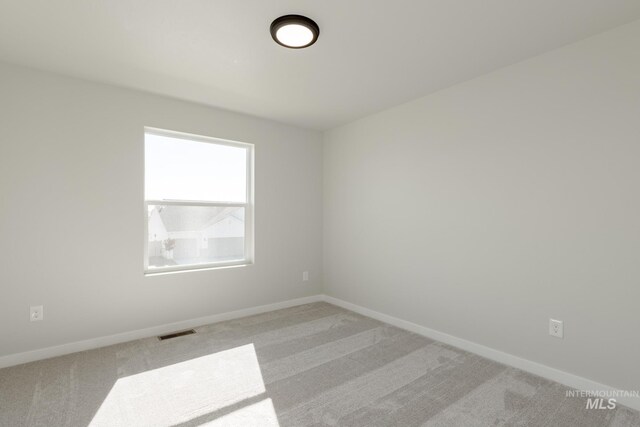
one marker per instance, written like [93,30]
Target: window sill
[192,268]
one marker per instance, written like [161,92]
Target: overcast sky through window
[182,169]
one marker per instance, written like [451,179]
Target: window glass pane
[182,169]
[192,235]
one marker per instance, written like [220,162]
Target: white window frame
[248,206]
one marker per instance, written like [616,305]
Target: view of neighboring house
[194,234]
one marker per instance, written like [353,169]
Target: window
[198,202]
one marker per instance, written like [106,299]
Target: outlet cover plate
[36,313]
[556,328]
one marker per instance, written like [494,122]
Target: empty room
[260,213]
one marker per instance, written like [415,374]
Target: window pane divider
[196,203]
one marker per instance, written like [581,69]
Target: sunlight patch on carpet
[187,390]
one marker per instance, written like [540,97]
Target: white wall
[487,208]
[72,218]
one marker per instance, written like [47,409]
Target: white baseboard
[60,350]
[535,368]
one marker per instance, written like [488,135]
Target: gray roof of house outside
[191,218]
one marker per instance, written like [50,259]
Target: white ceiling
[371,54]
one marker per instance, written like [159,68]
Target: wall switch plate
[556,328]
[36,313]
[305,276]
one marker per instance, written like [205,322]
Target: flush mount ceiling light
[294,31]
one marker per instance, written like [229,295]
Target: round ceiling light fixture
[294,31]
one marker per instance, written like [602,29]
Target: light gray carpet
[311,365]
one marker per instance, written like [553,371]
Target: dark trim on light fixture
[297,20]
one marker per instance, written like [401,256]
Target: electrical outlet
[305,276]
[36,313]
[556,328]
